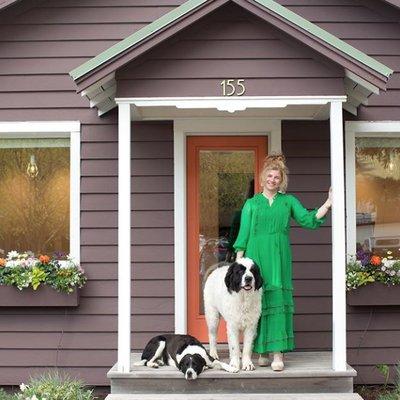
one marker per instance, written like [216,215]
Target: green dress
[264,237]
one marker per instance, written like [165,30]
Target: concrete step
[305,372]
[238,396]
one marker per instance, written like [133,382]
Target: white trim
[338,240]
[57,129]
[124,237]
[206,127]
[355,129]
[230,104]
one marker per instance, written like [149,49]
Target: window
[373,188]
[39,187]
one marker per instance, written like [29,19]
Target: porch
[307,375]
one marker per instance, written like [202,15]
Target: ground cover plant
[51,386]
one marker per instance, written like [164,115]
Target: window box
[374,294]
[44,296]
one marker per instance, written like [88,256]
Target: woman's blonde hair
[276,162]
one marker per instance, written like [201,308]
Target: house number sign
[231,87]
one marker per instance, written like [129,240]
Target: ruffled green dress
[264,237]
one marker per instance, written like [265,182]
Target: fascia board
[326,36]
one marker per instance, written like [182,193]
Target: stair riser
[279,385]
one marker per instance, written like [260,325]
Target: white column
[124,237]
[338,239]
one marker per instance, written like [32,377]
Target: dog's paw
[248,365]
[235,363]
[214,354]
[232,370]
[160,363]
[152,365]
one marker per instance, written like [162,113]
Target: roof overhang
[364,75]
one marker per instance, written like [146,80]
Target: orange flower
[44,259]
[2,262]
[375,260]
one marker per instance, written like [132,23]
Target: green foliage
[4,395]
[54,386]
[393,394]
[25,270]
[37,277]
[385,371]
[371,269]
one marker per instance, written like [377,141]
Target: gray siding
[40,46]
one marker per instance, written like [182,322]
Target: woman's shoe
[263,360]
[277,363]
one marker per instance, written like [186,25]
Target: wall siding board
[37,50]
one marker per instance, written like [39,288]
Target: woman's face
[272,180]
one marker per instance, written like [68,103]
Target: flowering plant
[365,268]
[24,270]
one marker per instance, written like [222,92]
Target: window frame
[57,129]
[353,130]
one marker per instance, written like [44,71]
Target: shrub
[54,386]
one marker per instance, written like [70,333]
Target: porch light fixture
[32,170]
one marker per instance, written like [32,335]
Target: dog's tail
[140,363]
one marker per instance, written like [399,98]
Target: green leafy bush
[4,395]
[53,386]
[24,270]
[392,394]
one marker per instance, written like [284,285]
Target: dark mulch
[371,392]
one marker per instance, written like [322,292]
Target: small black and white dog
[234,292]
[182,351]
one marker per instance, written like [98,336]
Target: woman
[264,237]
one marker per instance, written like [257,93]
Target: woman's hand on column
[322,211]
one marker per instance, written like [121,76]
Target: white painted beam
[338,239]
[124,237]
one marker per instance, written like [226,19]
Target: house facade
[195,94]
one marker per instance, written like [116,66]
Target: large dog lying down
[184,352]
[234,291]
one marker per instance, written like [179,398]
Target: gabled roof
[6,3]
[395,3]
[368,72]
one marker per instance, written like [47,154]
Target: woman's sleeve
[244,230]
[306,219]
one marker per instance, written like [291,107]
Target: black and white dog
[234,291]
[182,351]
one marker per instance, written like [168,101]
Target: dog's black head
[243,274]
[192,366]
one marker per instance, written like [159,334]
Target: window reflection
[378,195]
[226,181]
[34,193]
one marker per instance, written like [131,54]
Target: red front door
[222,171]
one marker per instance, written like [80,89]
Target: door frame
[204,127]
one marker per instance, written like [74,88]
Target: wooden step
[241,396]
[305,372]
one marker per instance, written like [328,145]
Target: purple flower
[363,257]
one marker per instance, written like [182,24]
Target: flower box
[374,294]
[44,296]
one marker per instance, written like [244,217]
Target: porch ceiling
[284,107]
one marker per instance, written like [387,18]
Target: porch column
[338,239]
[124,237]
